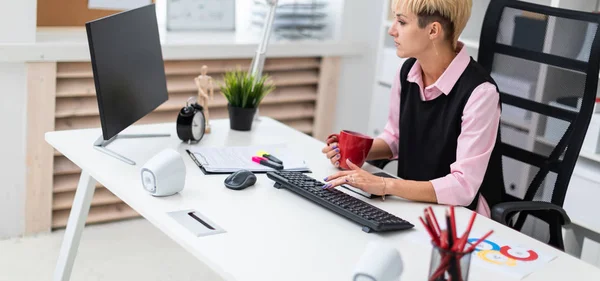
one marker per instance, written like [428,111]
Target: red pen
[453,222]
[465,237]
[266,162]
[434,237]
[479,241]
[429,212]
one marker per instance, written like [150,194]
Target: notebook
[225,160]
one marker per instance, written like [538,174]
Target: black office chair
[558,52]
[515,48]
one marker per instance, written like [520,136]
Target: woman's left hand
[358,178]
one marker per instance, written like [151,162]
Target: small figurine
[205,87]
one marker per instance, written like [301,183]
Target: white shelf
[384,83]
[470,43]
[569,70]
[545,141]
[70,44]
[591,156]
[519,124]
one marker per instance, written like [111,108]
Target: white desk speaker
[164,173]
[379,262]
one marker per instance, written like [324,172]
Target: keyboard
[371,218]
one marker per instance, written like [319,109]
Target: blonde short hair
[457,12]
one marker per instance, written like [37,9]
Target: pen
[266,162]
[269,156]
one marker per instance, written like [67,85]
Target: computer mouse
[240,180]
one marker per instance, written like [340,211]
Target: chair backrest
[545,62]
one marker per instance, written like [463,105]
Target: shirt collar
[450,76]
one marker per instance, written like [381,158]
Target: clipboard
[208,172]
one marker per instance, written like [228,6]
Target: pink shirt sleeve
[390,133]
[480,121]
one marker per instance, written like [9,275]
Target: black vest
[429,132]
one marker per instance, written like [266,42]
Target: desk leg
[77,218]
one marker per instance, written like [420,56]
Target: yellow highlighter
[269,156]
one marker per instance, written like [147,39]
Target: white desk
[271,234]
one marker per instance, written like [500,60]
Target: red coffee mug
[354,146]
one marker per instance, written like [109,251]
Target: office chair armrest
[503,212]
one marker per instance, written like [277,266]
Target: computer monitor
[129,72]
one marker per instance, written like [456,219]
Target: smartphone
[385,175]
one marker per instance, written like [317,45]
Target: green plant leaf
[244,90]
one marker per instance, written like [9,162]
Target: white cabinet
[515,172]
[379,110]
[581,202]
[389,62]
[386,70]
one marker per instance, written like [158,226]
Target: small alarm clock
[191,122]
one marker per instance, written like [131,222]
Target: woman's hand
[358,178]
[332,151]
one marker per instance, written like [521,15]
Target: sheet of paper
[505,256]
[117,4]
[224,159]
[501,256]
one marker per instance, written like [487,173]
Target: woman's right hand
[332,151]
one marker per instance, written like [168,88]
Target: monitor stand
[100,144]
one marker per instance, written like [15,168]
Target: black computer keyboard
[363,213]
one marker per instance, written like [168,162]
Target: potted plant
[244,93]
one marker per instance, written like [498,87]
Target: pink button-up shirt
[480,121]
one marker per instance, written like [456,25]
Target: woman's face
[410,39]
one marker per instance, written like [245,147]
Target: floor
[122,251]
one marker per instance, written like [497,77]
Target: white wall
[17,24]
[13,90]
[361,22]
[17,20]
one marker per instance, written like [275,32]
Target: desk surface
[272,234]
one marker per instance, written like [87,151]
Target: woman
[444,116]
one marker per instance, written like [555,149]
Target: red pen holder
[446,264]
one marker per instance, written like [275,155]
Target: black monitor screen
[128,67]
